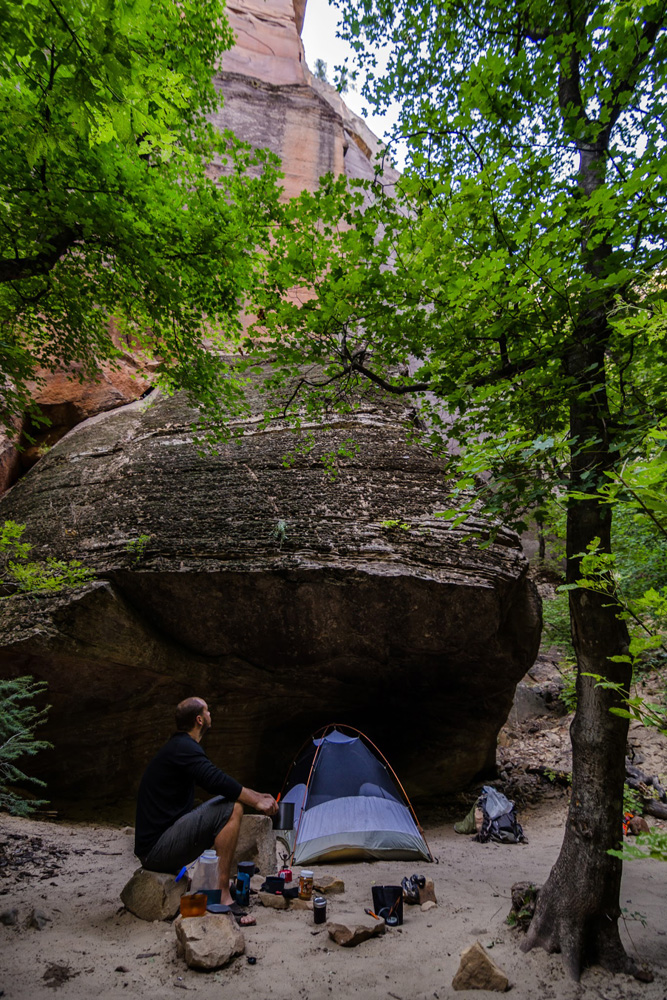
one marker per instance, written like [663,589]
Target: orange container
[193,904]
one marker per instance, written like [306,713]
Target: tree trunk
[578,908]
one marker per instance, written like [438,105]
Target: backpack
[499,822]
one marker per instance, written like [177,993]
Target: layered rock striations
[287,596]
[272,100]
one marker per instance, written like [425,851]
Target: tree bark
[19,268]
[578,907]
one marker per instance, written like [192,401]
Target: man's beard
[204,729]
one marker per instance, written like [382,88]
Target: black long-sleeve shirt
[167,789]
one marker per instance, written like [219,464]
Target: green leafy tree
[118,198]
[19,718]
[513,289]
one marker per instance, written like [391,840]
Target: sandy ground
[75,872]
[92,947]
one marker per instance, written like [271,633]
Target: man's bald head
[187,712]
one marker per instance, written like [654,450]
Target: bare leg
[225,845]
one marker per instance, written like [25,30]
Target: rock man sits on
[169,831]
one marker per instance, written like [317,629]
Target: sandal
[236,911]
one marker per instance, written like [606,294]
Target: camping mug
[248,868]
[388,903]
[284,818]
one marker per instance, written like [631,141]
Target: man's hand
[267,805]
[261,801]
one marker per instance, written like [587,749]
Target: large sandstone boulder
[288,597]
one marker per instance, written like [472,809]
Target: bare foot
[247,921]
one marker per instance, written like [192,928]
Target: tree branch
[610,112]
[18,268]
[505,372]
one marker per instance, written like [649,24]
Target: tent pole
[310,774]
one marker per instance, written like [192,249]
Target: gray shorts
[189,836]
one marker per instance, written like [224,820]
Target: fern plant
[19,718]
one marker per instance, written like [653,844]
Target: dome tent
[348,803]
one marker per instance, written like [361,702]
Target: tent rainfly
[349,804]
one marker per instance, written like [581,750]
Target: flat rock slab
[273,900]
[478,971]
[153,895]
[300,904]
[328,885]
[350,935]
[208,942]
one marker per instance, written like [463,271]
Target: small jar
[305,884]
[320,910]
[193,904]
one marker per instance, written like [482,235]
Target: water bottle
[205,875]
[242,889]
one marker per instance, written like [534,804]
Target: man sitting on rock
[169,831]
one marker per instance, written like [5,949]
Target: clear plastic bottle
[205,873]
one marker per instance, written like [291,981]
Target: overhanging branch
[18,268]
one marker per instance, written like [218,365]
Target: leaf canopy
[121,207]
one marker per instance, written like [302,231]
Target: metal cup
[284,818]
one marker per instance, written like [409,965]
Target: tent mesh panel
[344,769]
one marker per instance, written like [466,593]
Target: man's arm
[261,801]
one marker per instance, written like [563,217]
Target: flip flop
[236,911]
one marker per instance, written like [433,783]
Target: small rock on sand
[427,894]
[38,919]
[349,935]
[9,917]
[328,884]
[477,971]
[273,900]
[300,904]
[208,942]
